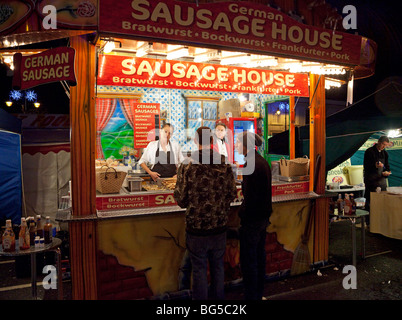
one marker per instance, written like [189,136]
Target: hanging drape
[128,110]
[104,111]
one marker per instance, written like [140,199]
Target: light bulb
[109,46]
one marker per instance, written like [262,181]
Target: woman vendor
[163,155]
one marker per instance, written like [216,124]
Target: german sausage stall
[191,64]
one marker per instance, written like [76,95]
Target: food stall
[129,244]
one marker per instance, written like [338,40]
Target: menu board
[146,121]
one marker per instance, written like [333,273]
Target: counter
[150,200]
[141,239]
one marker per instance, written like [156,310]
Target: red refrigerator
[234,127]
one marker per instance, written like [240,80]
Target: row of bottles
[30,230]
[346,206]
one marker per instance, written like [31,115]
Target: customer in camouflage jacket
[206,187]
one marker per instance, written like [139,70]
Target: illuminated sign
[46,67]
[143,72]
[253,27]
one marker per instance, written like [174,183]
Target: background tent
[10,168]
[347,130]
[45,162]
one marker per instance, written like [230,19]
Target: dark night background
[376,20]
[379,21]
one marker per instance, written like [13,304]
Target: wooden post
[292,143]
[317,146]
[82,119]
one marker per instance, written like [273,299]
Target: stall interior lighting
[329,83]
[9,103]
[110,44]
[235,60]
[176,52]
[202,55]
[143,48]
[316,68]
[262,61]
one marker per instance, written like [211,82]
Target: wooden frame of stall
[83,240]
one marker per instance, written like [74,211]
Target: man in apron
[162,155]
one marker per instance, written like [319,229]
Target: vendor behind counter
[163,155]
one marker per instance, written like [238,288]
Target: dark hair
[221,124]
[383,139]
[203,136]
[249,140]
[168,125]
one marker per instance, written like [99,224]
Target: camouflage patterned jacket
[206,190]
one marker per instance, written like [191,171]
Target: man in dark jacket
[254,215]
[206,187]
[376,168]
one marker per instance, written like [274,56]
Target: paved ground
[379,276]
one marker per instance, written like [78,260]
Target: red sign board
[45,67]
[290,188]
[144,122]
[143,72]
[241,25]
[135,201]
[146,200]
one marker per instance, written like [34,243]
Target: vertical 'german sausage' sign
[49,66]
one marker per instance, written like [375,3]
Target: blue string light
[30,95]
[15,95]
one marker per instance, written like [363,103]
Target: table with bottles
[33,251]
[26,244]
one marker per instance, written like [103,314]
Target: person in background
[206,187]
[254,214]
[164,155]
[220,145]
[376,168]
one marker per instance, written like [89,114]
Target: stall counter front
[141,240]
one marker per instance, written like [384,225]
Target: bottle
[353,206]
[8,238]
[48,231]
[340,204]
[32,231]
[24,235]
[348,205]
[39,226]
[37,242]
